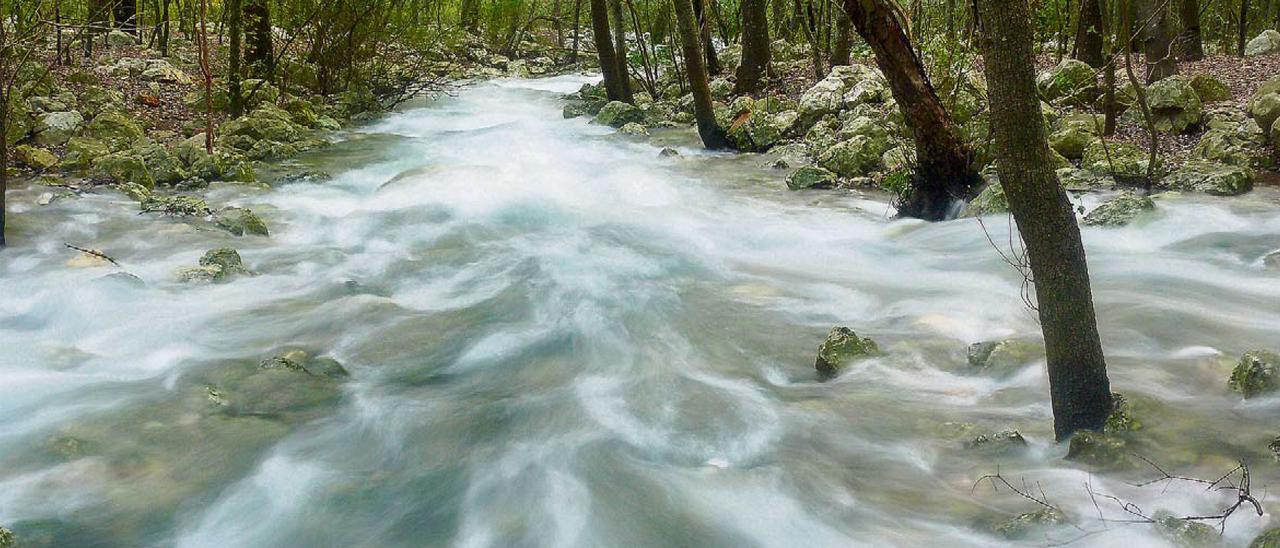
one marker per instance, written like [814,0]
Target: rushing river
[556,337]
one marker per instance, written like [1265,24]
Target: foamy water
[558,338]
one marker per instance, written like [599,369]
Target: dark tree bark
[604,50]
[755,47]
[620,50]
[1243,37]
[577,26]
[469,14]
[944,172]
[258,54]
[713,136]
[1088,45]
[4,166]
[165,27]
[1157,39]
[207,72]
[840,55]
[125,13]
[704,33]
[236,30]
[1190,42]
[1078,385]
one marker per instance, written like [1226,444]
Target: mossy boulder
[1175,106]
[1083,180]
[124,167]
[1122,420]
[1263,44]
[56,128]
[175,206]
[7,539]
[82,151]
[1265,107]
[618,114]
[991,201]
[857,156]
[240,221]
[1072,140]
[1120,210]
[634,129]
[1256,374]
[1025,525]
[96,100]
[216,266]
[35,158]
[811,177]
[1210,89]
[1071,82]
[268,123]
[842,347]
[759,130]
[1210,178]
[117,38]
[1120,160]
[114,129]
[1000,443]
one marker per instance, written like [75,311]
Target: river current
[556,337]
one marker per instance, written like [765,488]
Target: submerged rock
[1269,539]
[240,221]
[1186,533]
[175,206]
[1120,211]
[1210,178]
[633,128]
[990,201]
[1122,419]
[1024,525]
[1255,374]
[998,443]
[668,152]
[811,177]
[1107,451]
[841,347]
[1005,355]
[216,266]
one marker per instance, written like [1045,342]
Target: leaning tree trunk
[712,134]
[604,50]
[1078,387]
[704,32]
[1089,34]
[258,54]
[755,47]
[620,49]
[944,171]
[1190,42]
[125,13]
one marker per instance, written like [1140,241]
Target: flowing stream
[556,337]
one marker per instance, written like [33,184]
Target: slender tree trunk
[944,172]
[259,55]
[844,41]
[165,30]
[1243,37]
[4,165]
[755,47]
[1089,33]
[604,50]
[620,50]
[207,72]
[1190,43]
[235,29]
[704,32]
[712,134]
[577,32]
[1078,385]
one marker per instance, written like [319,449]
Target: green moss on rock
[1120,211]
[842,347]
[1255,374]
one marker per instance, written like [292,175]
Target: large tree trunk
[944,172]
[840,55]
[258,55]
[604,50]
[1089,34]
[235,29]
[1190,42]
[712,134]
[1078,385]
[755,47]
[704,33]
[620,49]
[1157,39]
[125,13]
